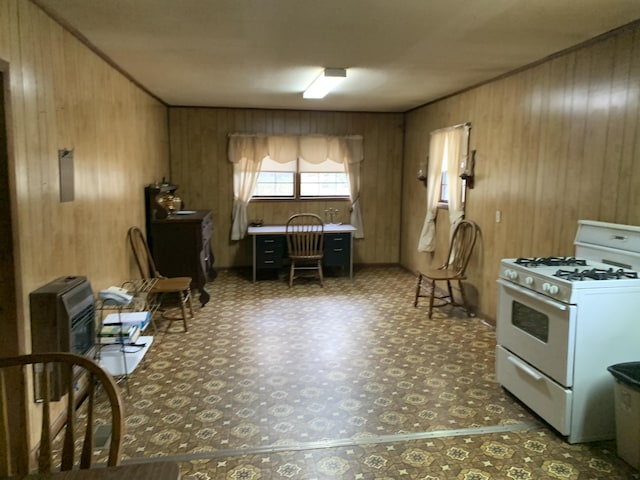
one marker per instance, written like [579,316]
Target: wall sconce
[467,167]
[422,172]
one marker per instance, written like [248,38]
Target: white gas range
[562,321]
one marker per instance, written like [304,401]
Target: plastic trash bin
[627,400]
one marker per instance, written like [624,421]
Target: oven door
[537,329]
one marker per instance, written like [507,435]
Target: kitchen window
[300,180]
[448,151]
[294,167]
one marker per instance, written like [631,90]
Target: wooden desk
[136,471]
[270,249]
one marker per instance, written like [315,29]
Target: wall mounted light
[422,172]
[325,82]
[467,167]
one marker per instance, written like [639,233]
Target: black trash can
[627,399]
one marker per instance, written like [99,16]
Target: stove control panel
[538,281]
[510,274]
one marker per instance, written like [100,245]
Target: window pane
[319,184]
[444,187]
[274,184]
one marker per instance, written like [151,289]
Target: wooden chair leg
[183,300]
[190,297]
[464,299]
[415,302]
[291,271]
[431,297]
[320,273]
[450,293]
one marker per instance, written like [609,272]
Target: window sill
[443,205]
[301,199]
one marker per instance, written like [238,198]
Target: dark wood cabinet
[181,247]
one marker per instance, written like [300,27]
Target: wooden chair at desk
[305,243]
[52,372]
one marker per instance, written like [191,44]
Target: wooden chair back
[305,236]
[461,246]
[180,286]
[15,458]
[142,254]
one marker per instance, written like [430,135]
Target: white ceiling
[399,54]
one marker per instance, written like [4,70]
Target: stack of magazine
[118,333]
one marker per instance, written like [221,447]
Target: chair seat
[442,274]
[318,256]
[167,285]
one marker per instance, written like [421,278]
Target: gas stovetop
[595,274]
[561,277]
[549,261]
[582,270]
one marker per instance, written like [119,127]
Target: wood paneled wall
[61,95]
[200,167]
[555,143]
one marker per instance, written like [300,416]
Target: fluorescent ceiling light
[326,81]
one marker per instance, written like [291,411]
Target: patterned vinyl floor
[349,381]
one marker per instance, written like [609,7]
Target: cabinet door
[337,249]
[176,249]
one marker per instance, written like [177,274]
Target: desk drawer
[269,251]
[337,249]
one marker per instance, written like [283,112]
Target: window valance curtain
[448,147]
[247,151]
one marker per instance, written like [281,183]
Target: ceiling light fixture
[325,82]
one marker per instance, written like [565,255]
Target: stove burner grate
[551,262]
[595,274]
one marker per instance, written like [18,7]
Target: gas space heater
[63,320]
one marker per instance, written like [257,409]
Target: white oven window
[532,321]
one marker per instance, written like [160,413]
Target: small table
[138,471]
[269,246]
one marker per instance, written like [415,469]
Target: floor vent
[102,435]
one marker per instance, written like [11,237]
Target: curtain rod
[452,127]
[354,137]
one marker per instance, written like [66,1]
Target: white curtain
[447,149]
[246,152]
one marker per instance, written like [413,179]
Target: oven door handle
[534,296]
[520,365]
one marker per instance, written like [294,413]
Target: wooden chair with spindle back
[74,370]
[305,244]
[179,286]
[453,270]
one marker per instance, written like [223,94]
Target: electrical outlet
[498,216]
